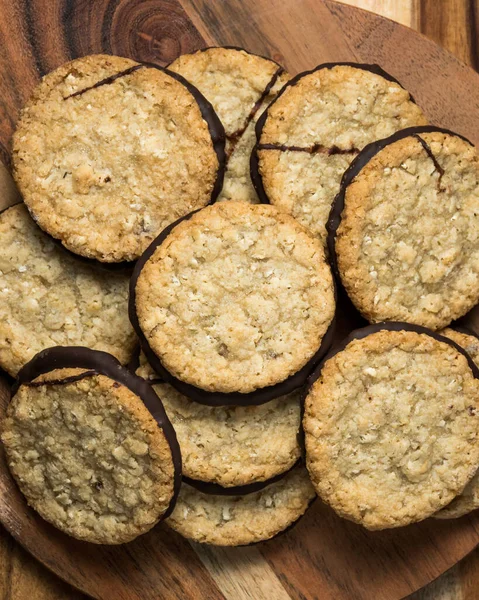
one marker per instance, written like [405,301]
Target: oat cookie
[469,499]
[108,152]
[90,446]
[234,299]
[239,520]
[405,228]
[232,445]
[316,126]
[239,85]
[392,425]
[49,298]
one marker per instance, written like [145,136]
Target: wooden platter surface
[322,557]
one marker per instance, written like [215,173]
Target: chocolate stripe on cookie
[236,135]
[437,166]
[105,81]
[313,149]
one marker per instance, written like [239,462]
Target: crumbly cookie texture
[469,499]
[234,81]
[88,457]
[331,114]
[392,428]
[105,171]
[240,520]
[238,297]
[232,445]
[408,243]
[48,298]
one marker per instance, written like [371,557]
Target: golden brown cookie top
[108,152]
[392,428]
[236,298]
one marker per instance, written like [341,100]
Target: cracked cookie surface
[241,520]
[392,428]
[314,130]
[239,85]
[407,246]
[236,298]
[106,167]
[88,456]
[469,499]
[49,298]
[232,445]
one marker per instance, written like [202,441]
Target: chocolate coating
[257,397]
[254,159]
[241,490]
[362,333]
[102,363]
[361,160]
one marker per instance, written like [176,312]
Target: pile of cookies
[170,286]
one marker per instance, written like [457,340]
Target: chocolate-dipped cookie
[318,123]
[90,446]
[226,520]
[239,85]
[233,305]
[229,446]
[469,499]
[49,298]
[392,425]
[404,230]
[108,152]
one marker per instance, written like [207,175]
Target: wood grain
[38,35]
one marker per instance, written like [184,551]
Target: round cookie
[392,425]
[48,297]
[239,85]
[233,305]
[316,126]
[90,446]
[108,152]
[405,228]
[239,520]
[232,445]
[469,499]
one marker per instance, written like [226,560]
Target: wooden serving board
[323,557]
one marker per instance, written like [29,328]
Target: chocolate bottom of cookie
[364,332]
[361,160]
[101,363]
[215,489]
[260,396]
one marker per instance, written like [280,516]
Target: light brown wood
[323,557]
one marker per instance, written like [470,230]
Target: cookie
[239,520]
[108,152]
[239,85]
[316,126]
[232,445]
[469,499]
[48,297]
[405,228]
[233,305]
[392,425]
[90,446]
